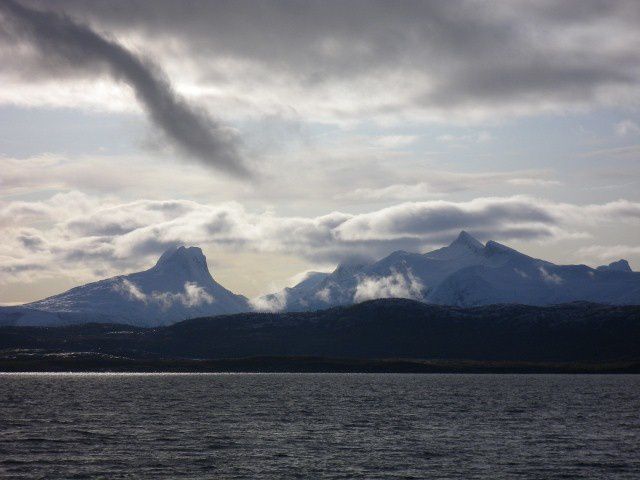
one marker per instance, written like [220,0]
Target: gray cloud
[514,56]
[69,45]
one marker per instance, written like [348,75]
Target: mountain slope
[179,286]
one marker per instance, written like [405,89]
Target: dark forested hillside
[372,330]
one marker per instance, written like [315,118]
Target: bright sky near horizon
[283,136]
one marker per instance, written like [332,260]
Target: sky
[287,136]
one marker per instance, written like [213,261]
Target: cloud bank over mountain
[75,231]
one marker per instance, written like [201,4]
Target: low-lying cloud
[552,278]
[94,238]
[396,285]
[193,295]
[273,302]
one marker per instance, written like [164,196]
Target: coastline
[92,362]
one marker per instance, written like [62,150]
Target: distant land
[374,336]
[465,273]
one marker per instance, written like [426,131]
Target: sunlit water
[319,426]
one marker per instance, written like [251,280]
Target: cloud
[629,152]
[324,295]
[130,290]
[508,216]
[608,253]
[552,278]
[192,296]
[74,46]
[89,238]
[331,176]
[363,60]
[627,127]
[479,137]
[273,302]
[438,183]
[395,141]
[396,285]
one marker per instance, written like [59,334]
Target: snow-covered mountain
[465,273]
[178,287]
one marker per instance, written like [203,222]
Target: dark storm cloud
[472,53]
[71,45]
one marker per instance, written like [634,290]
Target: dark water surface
[319,426]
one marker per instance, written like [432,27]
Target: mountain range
[465,273]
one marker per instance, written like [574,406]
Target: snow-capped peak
[184,261]
[179,286]
[182,254]
[468,241]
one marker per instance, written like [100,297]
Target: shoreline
[92,362]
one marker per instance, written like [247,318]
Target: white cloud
[396,285]
[324,295]
[130,290]
[394,141]
[274,302]
[476,137]
[550,277]
[192,296]
[627,127]
[439,183]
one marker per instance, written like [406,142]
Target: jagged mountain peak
[620,266]
[182,254]
[465,245]
[351,264]
[188,260]
[467,240]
